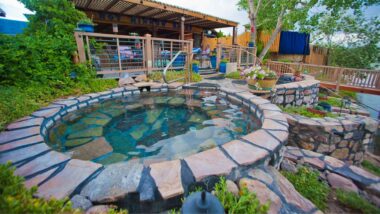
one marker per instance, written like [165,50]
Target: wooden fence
[243,56]
[362,78]
[117,54]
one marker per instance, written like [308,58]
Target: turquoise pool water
[151,127]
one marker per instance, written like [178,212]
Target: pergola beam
[143,11]
[110,5]
[130,7]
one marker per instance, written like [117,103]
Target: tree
[276,15]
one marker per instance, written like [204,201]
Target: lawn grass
[307,184]
[234,75]
[356,202]
[371,167]
[173,75]
[17,102]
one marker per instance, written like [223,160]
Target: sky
[226,9]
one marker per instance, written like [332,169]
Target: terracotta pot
[315,111]
[251,82]
[267,84]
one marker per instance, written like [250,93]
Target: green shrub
[371,167]
[302,110]
[247,202]
[173,75]
[337,102]
[356,202]
[234,75]
[307,184]
[15,198]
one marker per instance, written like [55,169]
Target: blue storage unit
[294,43]
[12,27]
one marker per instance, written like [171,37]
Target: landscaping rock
[141,78]
[232,187]
[338,182]
[80,202]
[99,209]
[126,81]
[114,182]
[289,166]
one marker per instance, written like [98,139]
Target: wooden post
[118,55]
[218,55]
[239,57]
[148,53]
[234,36]
[190,58]
[182,28]
[340,73]
[80,47]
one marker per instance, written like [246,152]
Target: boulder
[99,209]
[289,166]
[126,81]
[232,187]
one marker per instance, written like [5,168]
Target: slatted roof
[156,10]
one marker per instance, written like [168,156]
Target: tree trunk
[273,36]
[252,15]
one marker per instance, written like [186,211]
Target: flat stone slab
[46,113]
[262,139]
[167,176]
[91,150]
[40,163]
[243,153]
[25,123]
[66,181]
[18,155]
[21,143]
[8,136]
[339,182]
[114,182]
[36,180]
[209,162]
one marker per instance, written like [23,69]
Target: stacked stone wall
[345,138]
[297,93]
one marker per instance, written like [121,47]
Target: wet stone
[90,132]
[96,121]
[66,181]
[92,150]
[77,142]
[203,164]
[177,101]
[167,176]
[114,182]
[112,158]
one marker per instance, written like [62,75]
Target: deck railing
[117,54]
[363,78]
[243,56]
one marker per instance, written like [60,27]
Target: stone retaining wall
[346,137]
[296,93]
[58,175]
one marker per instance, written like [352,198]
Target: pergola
[148,12]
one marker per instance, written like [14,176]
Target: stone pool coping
[59,176]
[346,137]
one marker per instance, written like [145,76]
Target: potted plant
[195,65]
[223,66]
[86,25]
[260,78]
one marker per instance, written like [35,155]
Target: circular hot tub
[151,126]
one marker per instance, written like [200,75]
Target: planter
[213,61]
[315,111]
[195,68]
[265,84]
[86,27]
[223,67]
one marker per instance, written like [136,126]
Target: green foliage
[15,198]
[86,21]
[234,75]
[224,61]
[115,211]
[43,53]
[219,34]
[337,102]
[356,202]
[173,75]
[371,167]
[302,110]
[307,184]
[247,202]
[196,62]
[18,102]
